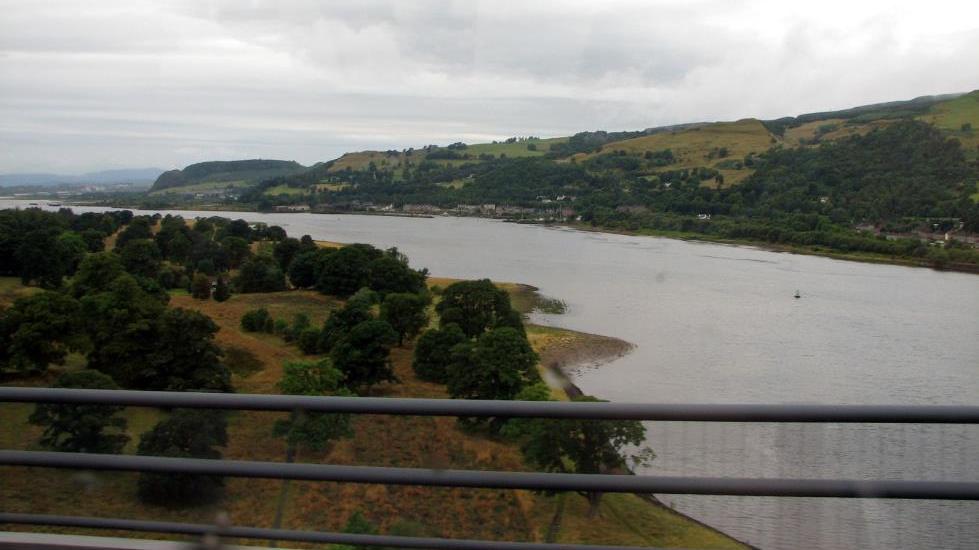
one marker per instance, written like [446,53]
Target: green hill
[206,176]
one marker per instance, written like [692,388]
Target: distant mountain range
[131,175]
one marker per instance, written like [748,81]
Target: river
[720,324]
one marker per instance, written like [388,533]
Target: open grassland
[11,289]
[952,114]
[420,442]
[284,190]
[203,187]
[692,147]
[361,160]
[515,149]
[828,130]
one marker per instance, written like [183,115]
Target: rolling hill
[219,175]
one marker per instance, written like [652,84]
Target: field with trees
[221,305]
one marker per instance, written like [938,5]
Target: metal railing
[839,488]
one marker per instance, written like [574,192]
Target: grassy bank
[380,440]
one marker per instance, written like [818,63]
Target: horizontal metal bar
[198,529]
[840,488]
[918,414]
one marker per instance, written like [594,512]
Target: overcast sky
[88,85]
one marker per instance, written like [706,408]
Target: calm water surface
[719,324]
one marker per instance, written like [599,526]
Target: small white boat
[797,295]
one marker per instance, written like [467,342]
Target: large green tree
[82,428]
[433,352]
[406,312]
[260,273]
[477,306]
[362,355]
[184,356]
[42,257]
[497,366]
[141,257]
[95,273]
[185,434]
[121,322]
[313,430]
[341,321]
[347,270]
[40,330]
[579,446]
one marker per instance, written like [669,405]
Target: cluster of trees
[45,247]
[111,308]
[343,271]
[480,351]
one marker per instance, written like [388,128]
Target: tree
[390,273]
[82,428]
[39,330]
[121,323]
[285,250]
[138,228]
[222,291]
[41,258]
[406,313]
[313,430]
[342,321]
[347,270]
[141,257]
[73,248]
[579,446]
[304,269]
[185,434]
[237,250]
[201,287]
[362,355]
[96,272]
[433,352]
[476,306]
[260,273]
[185,357]
[497,366]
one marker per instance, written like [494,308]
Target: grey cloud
[117,84]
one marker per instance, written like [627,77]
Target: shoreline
[770,247]
[580,349]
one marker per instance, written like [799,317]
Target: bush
[222,291]
[255,320]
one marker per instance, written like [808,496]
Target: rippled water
[719,324]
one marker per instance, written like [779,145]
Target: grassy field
[11,289]
[379,440]
[284,190]
[692,146]
[952,114]
[203,187]
[516,149]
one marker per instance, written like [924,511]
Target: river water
[720,324]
